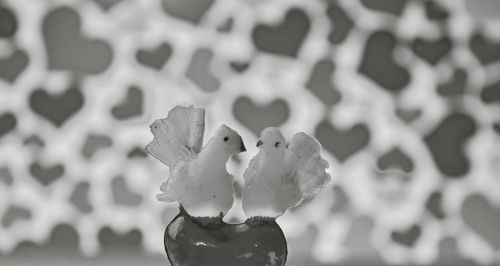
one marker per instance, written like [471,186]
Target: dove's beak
[259,143]
[242,147]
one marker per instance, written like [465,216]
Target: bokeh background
[403,95]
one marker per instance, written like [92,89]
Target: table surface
[129,258]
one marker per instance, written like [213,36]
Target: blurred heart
[435,205]
[200,71]
[137,152]
[408,115]
[456,85]
[15,214]
[67,49]
[80,197]
[342,142]
[395,159]
[94,143]
[379,65]
[407,237]
[226,26]
[193,241]
[256,117]
[283,39]
[56,108]
[358,241]
[188,10]
[341,23]
[432,50]
[435,10]
[447,144]
[491,93]
[320,82]
[482,218]
[34,141]
[8,22]
[107,4]
[13,65]
[46,174]
[131,106]
[6,175]
[394,7]
[487,51]
[111,240]
[8,122]
[239,66]
[122,195]
[496,128]
[156,57]
[341,202]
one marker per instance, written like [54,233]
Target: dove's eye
[276,144]
[226,139]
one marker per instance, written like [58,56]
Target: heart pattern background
[68,49]
[257,117]
[285,38]
[8,122]
[12,66]
[56,108]
[402,95]
[155,57]
[379,64]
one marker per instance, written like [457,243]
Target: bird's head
[229,140]
[271,140]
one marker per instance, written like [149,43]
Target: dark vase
[198,241]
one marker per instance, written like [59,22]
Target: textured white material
[280,176]
[198,178]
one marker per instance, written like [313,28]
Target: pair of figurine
[279,177]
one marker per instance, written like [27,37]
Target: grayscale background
[404,96]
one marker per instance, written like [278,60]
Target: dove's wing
[176,186]
[198,197]
[179,136]
[305,165]
[251,170]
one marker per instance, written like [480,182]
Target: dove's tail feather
[310,168]
[165,197]
[166,194]
[313,177]
[179,136]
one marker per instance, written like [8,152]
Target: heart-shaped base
[210,241]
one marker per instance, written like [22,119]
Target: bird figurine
[280,176]
[198,178]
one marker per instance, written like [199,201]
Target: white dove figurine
[198,178]
[280,176]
